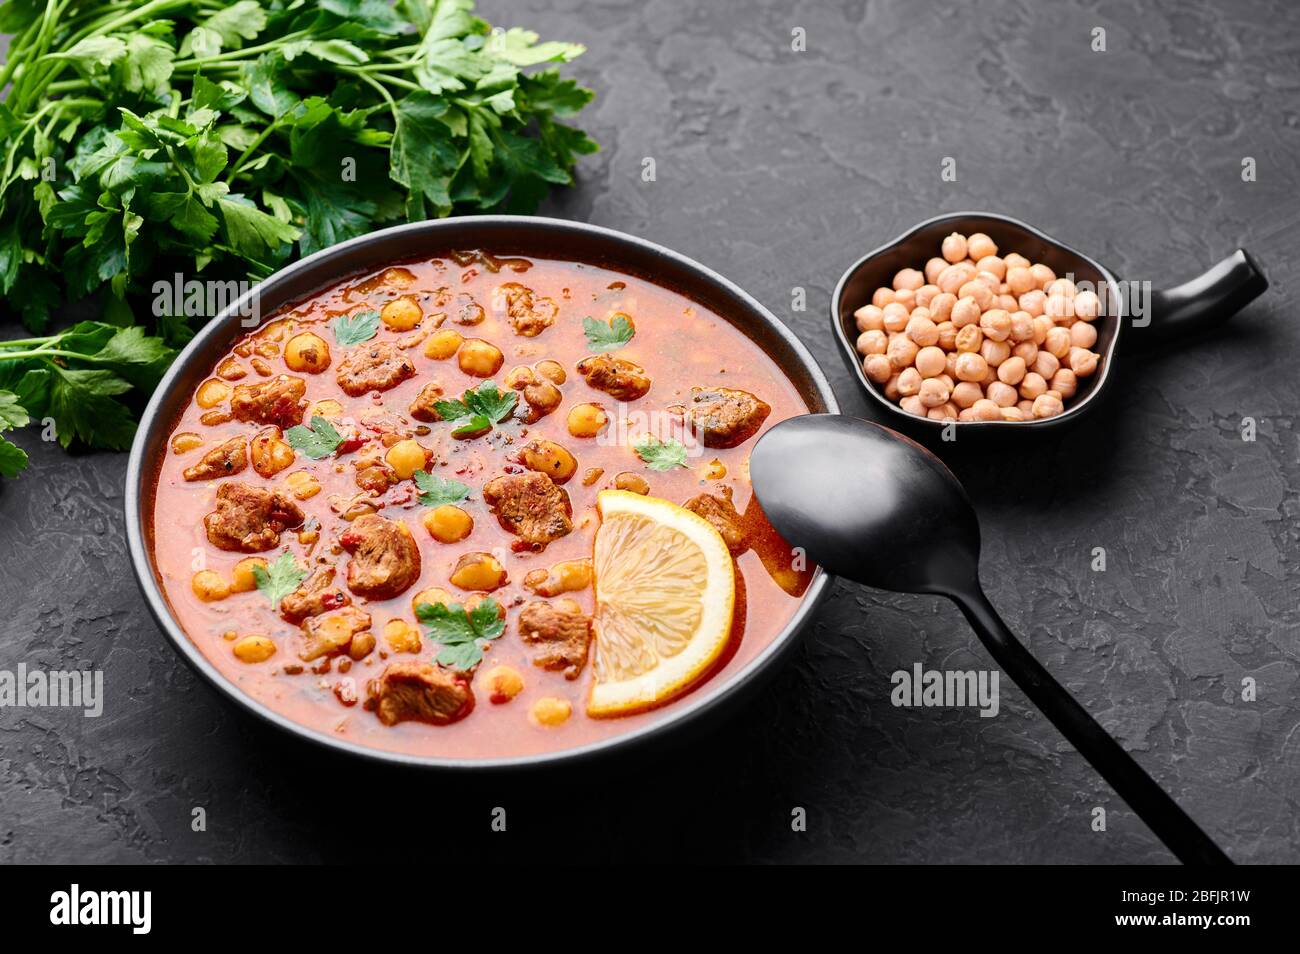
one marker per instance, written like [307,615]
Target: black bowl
[504,234]
[1131,315]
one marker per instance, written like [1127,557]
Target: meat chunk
[374,366]
[332,634]
[562,633]
[725,417]
[531,507]
[419,691]
[385,559]
[721,512]
[278,401]
[529,314]
[250,519]
[316,595]
[222,461]
[619,378]
[422,408]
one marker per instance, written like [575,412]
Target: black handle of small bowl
[1209,299]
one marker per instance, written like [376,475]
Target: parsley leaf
[608,337]
[12,459]
[12,414]
[477,409]
[317,441]
[277,580]
[460,633]
[661,455]
[436,491]
[351,330]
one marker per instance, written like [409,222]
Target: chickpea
[185,442]
[552,371]
[1058,342]
[402,314]
[327,409]
[954,276]
[1026,350]
[941,306]
[882,297]
[406,457]
[912,405]
[1087,305]
[872,342]
[996,324]
[1026,408]
[1082,362]
[1043,276]
[1003,395]
[1007,303]
[909,382]
[448,523]
[986,410]
[966,393]
[433,596]
[1042,325]
[307,352]
[901,352]
[478,571]
[995,352]
[302,484]
[480,358]
[211,393]
[1065,383]
[519,378]
[269,452]
[1033,302]
[401,636]
[905,297]
[1060,309]
[930,362]
[869,318]
[969,338]
[1020,280]
[947,335]
[443,343]
[926,294]
[209,586]
[954,247]
[549,458]
[632,482]
[921,329]
[965,312]
[993,265]
[909,279]
[1047,406]
[980,246]
[933,392]
[242,577]
[1015,260]
[1012,414]
[502,683]
[944,412]
[1082,334]
[1012,370]
[1022,326]
[254,649]
[979,291]
[1032,385]
[895,316]
[550,711]
[877,368]
[971,367]
[361,645]
[587,420]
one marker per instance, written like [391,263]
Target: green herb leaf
[351,330]
[277,580]
[12,414]
[317,441]
[478,408]
[436,491]
[460,634]
[12,459]
[661,455]
[608,337]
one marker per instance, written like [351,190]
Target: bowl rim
[904,419]
[154,422]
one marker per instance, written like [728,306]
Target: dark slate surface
[779,168]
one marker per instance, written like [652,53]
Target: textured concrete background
[778,169]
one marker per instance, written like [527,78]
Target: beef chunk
[249,519]
[373,366]
[385,559]
[721,512]
[561,631]
[618,378]
[222,461]
[530,315]
[419,691]
[422,408]
[725,417]
[316,595]
[332,634]
[531,507]
[278,401]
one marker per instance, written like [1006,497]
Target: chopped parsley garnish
[477,409]
[317,441]
[661,455]
[608,337]
[436,491]
[461,633]
[351,330]
[279,579]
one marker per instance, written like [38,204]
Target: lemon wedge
[665,593]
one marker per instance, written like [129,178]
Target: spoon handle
[1170,823]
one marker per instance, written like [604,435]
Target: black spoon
[871,505]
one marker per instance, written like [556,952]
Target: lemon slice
[665,592]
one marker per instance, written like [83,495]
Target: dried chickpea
[1046,364]
[895,316]
[996,324]
[1033,302]
[1060,309]
[480,358]
[980,246]
[185,442]
[954,247]
[954,276]
[587,420]
[302,484]
[1026,350]
[502,684]
[921,329]
[877,367]
[995,352]
[926,294]
[971,367]
[1082,362]
[478,571]
[1032,385]
[632,482]
[979,291]
[308,353]
[905,297]
[966,393]
[986,410]
[969,338]
[443,344]
[947,335]
[1087,305]
[891,387]
[993,265]
[912,405]
[1043,276]
[931,361]
[1020,280]
[941,306]
[1057,342]
[872,342]
[550,711]
[909,382]
[1003,395]
[869,318]
[254,649]
[242,577]
[882,297]
[1047,406]
[1012,414]
[211,393]
[448,523]
[933,267]
[1016,260]
[901,352]
[909,279]
[209,586]
[401,636]
[402,314]
[1065,383]
[1012,370]
[965,312]
[406,457]
[933,392]
[1022,326]
[1083,335]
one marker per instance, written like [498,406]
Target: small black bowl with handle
[1129,319]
